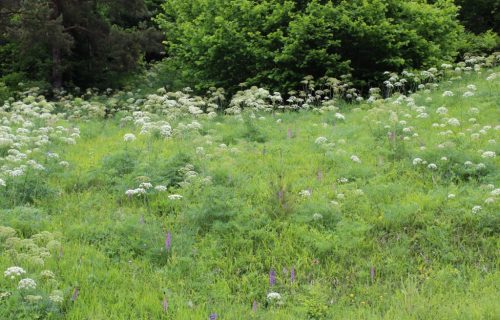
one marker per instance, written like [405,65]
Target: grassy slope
[434,258]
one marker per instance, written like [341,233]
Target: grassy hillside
[382,210]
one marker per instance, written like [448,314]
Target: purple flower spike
[320,175]
[289,133]
[281,195]
[254,306]
[165,304]
[372,273]
[76,292]
[292,274]
[168,241]
[213,316]
[272,277]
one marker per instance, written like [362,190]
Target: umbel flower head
[26,284]
[128,137]
[13,272]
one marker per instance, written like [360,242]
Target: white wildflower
[161,188]
[47,274]
[355,159]
[305,193]
[317,216]
[476,209]
[128,137]
[271,296]
[174,197]
[489,154]
[339,116]
[145,185]
[56,296]
[26,284]
[417,161]
[442,110]
[13,272]
[489,200]
[321,140]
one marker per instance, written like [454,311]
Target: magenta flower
[165,304]
[76,292]
[168,241]
[272,277]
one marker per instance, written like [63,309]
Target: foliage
[275,43]
[384,208]
[76,43]
[480,16]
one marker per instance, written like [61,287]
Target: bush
[277,42]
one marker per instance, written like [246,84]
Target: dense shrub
[277,42]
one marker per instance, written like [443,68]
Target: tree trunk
[56,68]
[57,76]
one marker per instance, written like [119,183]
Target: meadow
[320,204]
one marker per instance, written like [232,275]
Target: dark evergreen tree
[77,42]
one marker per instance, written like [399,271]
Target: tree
[81,42]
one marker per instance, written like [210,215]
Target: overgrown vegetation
[124,206]
[275,43]
[310,159]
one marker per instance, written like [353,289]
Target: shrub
[277,42]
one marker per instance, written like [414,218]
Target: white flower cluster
[174,197]
[129,137]
[355,159]
[320,140]
[13,272]
[26,284]
[273,296]
[305,193]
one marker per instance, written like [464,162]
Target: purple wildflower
[272,277]
[168,241]
[213,316]
[165,304]
[292,274]
[281,194]
[372,273]
[254,306]
[320,175]
[76,292]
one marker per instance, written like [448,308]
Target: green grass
[434,258]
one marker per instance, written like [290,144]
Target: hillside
[384,209]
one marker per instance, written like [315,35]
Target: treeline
[203,43]
[77,42]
